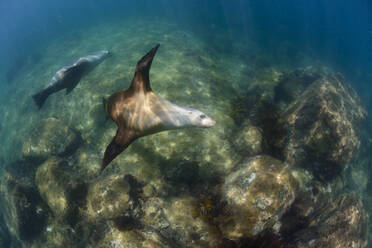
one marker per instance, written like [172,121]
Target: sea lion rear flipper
[69,89]
[118,144]
[41,97]
[141,78]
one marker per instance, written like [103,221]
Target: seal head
[138,112]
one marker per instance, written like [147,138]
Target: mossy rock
[249,141]
[24,211]
[323,127]
[257,194]
[50,137]
[341,223]
[59,187]
[109,196]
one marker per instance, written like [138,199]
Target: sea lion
[69,76]
[138,111]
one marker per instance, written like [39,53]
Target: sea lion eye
[202,116]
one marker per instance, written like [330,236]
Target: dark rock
[112,196]
[309,200]
[184,173]
[291,85]
[50,137]
[176,221]
[323,127]
[24,211]
[256,196]
[342,223]
[5,237]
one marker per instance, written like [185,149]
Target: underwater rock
[184,172]
[112,196]
[177,221]
[60,189]
[342,223]
[312,197]
[257,194]
[292,84]
[58,235]
[249,141]
[5,238]
[148,238]
[323,126]
[50,137]
[24,211]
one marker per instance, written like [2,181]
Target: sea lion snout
[199,119]
[207,122]
[105,54]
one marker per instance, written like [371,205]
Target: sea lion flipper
[118,144]
[69,89]
[141,80]
[41,97]
[104,103]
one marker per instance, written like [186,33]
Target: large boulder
[257,194]
[59,187]
[50,137]
[25,213]
[112,196]
[292,84]
[323,127]
[310,200]
[342,223]
[183,220]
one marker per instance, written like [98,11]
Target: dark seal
[69,76]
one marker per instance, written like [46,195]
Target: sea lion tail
[141,78]
[40,98]
[144,64]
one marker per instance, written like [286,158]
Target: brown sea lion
[138,112]
[69,76]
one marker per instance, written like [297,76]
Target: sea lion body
[139,112]
[69,76]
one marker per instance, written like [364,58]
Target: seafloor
[184,185]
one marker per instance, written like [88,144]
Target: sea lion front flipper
[118,144]
[141,79]
[104,103]
[74,82]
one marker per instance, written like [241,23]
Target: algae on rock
[257,194]
[24,211]
[50,137]
[323,127]
[59,187]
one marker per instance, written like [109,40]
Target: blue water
[338,33]
[223,36]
